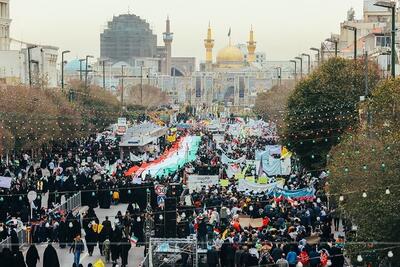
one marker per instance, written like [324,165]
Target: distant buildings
[5,22]
[373,35]
[127,37]
[34,64]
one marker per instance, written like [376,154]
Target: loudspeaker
[170,218]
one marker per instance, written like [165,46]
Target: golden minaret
[209,44]
[251,47]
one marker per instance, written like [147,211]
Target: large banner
[196,182]
[245,185]
[5,182]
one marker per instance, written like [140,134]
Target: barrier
[22,239]
[71,203]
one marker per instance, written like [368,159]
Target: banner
[301,194]
[5,182]
[195,182]
[226,160]
[245,221]
[245,185]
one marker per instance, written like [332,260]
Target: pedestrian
[125,246]
[91,239]
[32,256]
[106,249]
[50,257]
[77,248]
[19,260]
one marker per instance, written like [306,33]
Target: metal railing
[71,203]
[22,239]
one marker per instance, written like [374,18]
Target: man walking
[77,248]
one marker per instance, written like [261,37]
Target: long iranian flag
[182,152]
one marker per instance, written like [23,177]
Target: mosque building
[232,81]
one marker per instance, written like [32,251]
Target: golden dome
[230,56]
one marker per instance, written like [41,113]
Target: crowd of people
[294,232]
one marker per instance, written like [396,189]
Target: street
[66,259]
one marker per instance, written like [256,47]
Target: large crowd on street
[294,232]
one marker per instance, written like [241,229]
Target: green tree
[367,162]
[323,107]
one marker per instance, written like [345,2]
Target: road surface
[66,259]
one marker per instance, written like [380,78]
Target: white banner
[195,182]
[245,185]
[5,182]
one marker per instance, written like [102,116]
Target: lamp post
[318,53]
[86,70]
[334,41]
[354,29]
[392,6]
[62,67]
[29,64]
[80,68]
[122,87]
[104,72]
[309,61]
[279,75]
[301,66]
[295,68]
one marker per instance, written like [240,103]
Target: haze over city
[282,28]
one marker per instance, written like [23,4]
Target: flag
[133,240]
[229,33]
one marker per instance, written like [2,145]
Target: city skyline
[311,26]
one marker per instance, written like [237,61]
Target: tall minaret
[251,47]
[209,45]
[168,37]
[5,22]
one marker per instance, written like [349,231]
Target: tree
[98,108]
[367,162]
[28,115]
[323,107]
[149,96]
[271,105]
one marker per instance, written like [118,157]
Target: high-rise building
[127,37]
[5,22]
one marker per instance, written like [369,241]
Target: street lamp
[392,6]
[301,66]
[334,41]
[354,29]
[279,74]
[29,64]
[62,67]
[104,72]
[309,61]
[318,53]
[80,68]
[295,68]
[86,70]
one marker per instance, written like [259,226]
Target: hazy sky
[283,28]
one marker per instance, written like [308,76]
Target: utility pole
[80,68]
[86,71]
[301,66]
[148,222]
[295,69]
[62,67]
[122,86]
[29,64]
[141,85]
[104,73]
